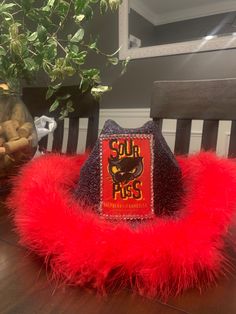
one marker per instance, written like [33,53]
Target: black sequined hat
[166,174]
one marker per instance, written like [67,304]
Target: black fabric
[167,178]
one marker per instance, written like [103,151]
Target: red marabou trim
[159,258]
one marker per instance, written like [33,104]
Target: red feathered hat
[174,249]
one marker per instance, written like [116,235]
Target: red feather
[162,257]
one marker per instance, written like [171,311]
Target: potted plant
[35,37]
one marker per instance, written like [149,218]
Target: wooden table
[25,289]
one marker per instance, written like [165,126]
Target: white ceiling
[167,11]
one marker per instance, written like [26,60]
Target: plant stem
[31,51]
[59,44]
[15,13]
[16,4]
[63,21]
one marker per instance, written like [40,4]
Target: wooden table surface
[25,289]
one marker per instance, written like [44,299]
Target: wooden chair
[86,107]
[208,100]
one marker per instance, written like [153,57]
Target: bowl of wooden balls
[18,137]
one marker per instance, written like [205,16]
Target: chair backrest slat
[182,139]
[58,136]
[92,131]
[209,134]
[208,100]
[204,99]
[44,143]
[73,135]
[85,107]
[232,141]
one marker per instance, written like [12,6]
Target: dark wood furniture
[86,107]
[208,100]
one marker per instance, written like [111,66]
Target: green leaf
[92,74]
[8,17]
[4,39]
[2,51]
[74,49]
[49,50]
[97,91]
[113,60]
[54,105]
[69,70]
[88,12]
[16,47]
[33,36]
[79,18]
[42,33]
[63,114]
[101,89]
[103,6]
[79,58]
[60,62]
[46,67]
[69,106]
[56,74]
[51,3]
[78,36]
[64,97]
[62,8]
[93,45]
[6,7]
[56,87]
[48,6]
[52,90]
[114,4]
[79,6]
[14,30]
[84,85]
[30,64]
[49,93]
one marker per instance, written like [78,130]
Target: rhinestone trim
[126,217]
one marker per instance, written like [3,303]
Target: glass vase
[18,137]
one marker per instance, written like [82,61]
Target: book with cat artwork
[126,186]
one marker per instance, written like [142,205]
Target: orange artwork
[126,163]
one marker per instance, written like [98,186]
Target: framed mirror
[149,28]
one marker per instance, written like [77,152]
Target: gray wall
[180,31]
[134,88]
[195,28]
[142,28]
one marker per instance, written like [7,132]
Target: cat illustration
[125,169]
